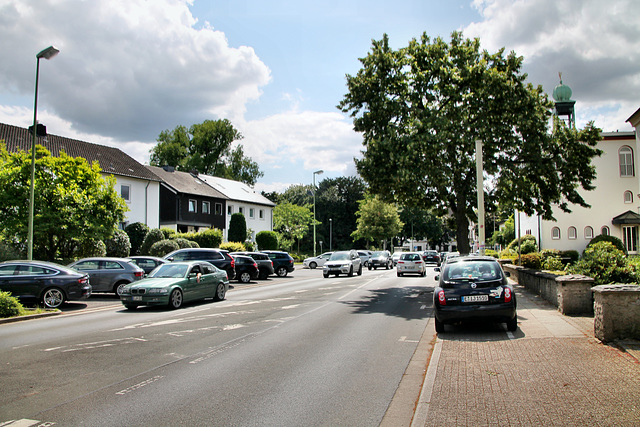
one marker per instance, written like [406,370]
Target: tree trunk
[462,232]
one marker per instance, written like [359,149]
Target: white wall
[254,223]
[144,200]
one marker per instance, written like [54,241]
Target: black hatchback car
[282,262]
[218,257]
[48,283]
[265,265]
[246,268]
[472,288]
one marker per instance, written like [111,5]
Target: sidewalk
[550,372]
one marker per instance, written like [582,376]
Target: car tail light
[507,294]
[400,262]
[255,264]
[233,263]
[139,274]
[441,298]
[83,280]
[418,262]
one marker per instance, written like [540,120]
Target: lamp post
[318,172]
[47,53]
[330,232]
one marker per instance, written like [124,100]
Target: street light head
[47,53]
[320,172]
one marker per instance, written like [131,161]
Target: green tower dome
[562,92]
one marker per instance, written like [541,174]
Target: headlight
[157,291]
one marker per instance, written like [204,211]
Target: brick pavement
[551,371]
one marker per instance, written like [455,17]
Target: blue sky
[129,69]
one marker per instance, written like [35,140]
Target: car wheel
[312,265]
[351,271]
[369,267]
[53,298]
[398,274]
[360,270]
[131,306]
[175,299]
[439,326]
[281,272]
[245,277]
[221,292]
[512,324]
[326,275]
[424,273]
[118,287]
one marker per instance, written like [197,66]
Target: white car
[316,261]
[343,262]
[411,263]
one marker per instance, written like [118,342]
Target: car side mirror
[507,274]
[192,275]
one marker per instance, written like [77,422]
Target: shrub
[491,252]
[118,245]
[205,239]
[169,233]
[233,247]
[250,246]
[552,264]
[153,236]
[184,243]
[605,263]
[163,247]
[531,261]
[9,306]
[604,238]
[90,248]
[137,231]
[527,244]
[508,254]
[267,240]
[237,228]
[571,255]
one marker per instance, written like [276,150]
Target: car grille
[138,291]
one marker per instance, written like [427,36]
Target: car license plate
[137,298]
[475,298]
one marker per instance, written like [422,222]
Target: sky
[129,69]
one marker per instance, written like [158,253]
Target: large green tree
[208,148]
[421,224]
[73,202]
[377,221]
[291,222]
[422,107]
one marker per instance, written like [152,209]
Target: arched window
[588,232]
[604,230]
[628,197]
[555,233]
[625,155]
[572,233]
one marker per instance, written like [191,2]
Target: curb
[28,317]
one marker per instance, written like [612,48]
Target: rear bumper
[454,313]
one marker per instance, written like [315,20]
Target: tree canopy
[207,148]
[291,222]
[73,202]
[422,107]
[377,221]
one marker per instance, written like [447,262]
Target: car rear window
[474,270]
[410,257]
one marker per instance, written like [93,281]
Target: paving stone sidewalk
[550,372]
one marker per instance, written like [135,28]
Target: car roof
[63,268]
[468,258]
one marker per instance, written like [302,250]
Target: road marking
[139,385]
[404,339]
[97,344]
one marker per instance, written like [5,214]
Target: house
[257,209]
[187,203]
[138,186]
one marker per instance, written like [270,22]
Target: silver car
[411,263]
[108,274]
[316,261]
[343,262]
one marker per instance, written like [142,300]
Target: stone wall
[617,312]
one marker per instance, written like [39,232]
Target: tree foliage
[208,148]
[267,240]
[291,222]
[422,224]
[422,107]
[72,201]
[377,221]
[237,228]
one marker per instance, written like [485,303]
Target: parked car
[147,263]
[282,262]
[246,268]
[45,282]
[316,261]
[265,265]
[365,256]
[471,288]
[380,259]
[411,263]
[218,257]
[431,257]
[343,262]
[108,274]
[449,256]
[396,257]
[175,283]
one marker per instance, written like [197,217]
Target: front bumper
[337,269]
[145,299]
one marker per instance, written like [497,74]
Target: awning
[628,217]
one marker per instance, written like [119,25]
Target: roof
[629,217]
[634,119]
[111,160]
[185,182]
[236,190]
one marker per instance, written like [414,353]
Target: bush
[8,252]
[163,247]
[152,237]
[90,248]
[249,246]
[118,245]
[205,239]
[531,261]
[571,255]
[184,243]
[9,306]
[267,240]
[237,228]
[491,252]
[508,254]
[169,233]
[605,263]
[233,247]
[136,231]
[613,240]
[527,244]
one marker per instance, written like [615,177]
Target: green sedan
[175,283]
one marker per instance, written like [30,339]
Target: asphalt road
[300,350]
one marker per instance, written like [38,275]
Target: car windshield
[339,256]
[474,270]
[170,270]
[379,253]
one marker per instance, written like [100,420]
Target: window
[241,210]
[588,232]
[252,213]
[628,197]
[604,231]
[193,205]
[555,233]
[125,192]
[112,265]
[630,238]
[205,208]
[572,233]
[229,209]
[218,208]
[626,161]
[261,213]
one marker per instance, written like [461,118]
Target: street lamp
[318,172]
[47,53]
[330,232]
